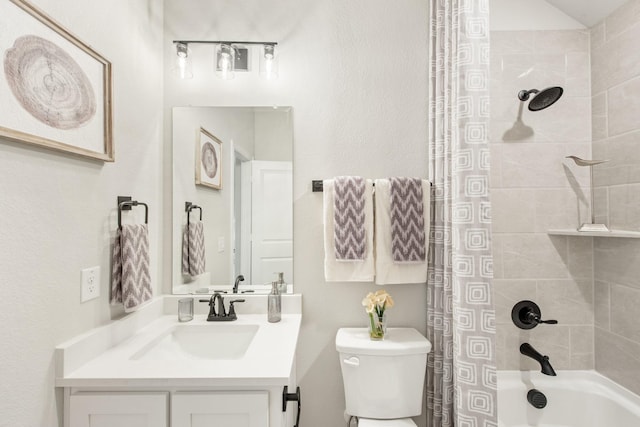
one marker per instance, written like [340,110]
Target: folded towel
[347,270]
[193,259]
[388,271]
[407,220]
[348,217]
[130,280]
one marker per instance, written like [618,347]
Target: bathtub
[574,399]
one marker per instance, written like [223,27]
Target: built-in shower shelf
[612,233]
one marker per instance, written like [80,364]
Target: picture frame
[208,160]
[55,90]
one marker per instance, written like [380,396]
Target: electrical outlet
[90,284]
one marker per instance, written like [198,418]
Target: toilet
[383,380]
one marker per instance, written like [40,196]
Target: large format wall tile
[580,256]
[618,359]
[623,105]
[507,293]
[624,160]
[624,207]
[570,301]
[624,318]
[602,305]
[599,116]
[558,208]
[625,17]
[617,260]
[513,210]
[535,188]
[615,61]
[566,41]
[534,256]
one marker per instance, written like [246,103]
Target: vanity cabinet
[250,409]
[175,408]
[118,409]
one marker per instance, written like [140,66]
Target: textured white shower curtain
[461,370]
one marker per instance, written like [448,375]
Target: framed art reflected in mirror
[208,160]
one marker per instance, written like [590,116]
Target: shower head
[542,99]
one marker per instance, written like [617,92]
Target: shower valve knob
[526,315]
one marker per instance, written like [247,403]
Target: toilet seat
[400,422]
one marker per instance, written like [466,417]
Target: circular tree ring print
[209,160]
[49,83]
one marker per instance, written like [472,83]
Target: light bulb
[268,62]
[183,62]
[226,62]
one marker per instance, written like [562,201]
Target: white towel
[387,271]
[130,279]
[347,270]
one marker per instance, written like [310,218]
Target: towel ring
[128,203]
[188,206]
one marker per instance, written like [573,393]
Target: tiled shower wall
[534,189]
[615,87]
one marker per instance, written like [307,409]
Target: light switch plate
[220,244]
[90,284]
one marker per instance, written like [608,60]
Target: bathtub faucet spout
[545,365]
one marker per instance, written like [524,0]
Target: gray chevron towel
[193,259]
[349,215]
[130,279]
[407,220]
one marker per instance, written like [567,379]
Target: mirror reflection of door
[271,220]
[263,220]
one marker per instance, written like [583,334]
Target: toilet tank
[383,379]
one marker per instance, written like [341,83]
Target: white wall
[230,126]
[58,213]
[273,135]
[355,74]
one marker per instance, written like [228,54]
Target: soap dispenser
[282,286]
[274,304]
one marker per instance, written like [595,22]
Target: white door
[224,409]
[272,221]
[118,409]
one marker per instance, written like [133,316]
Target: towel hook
[188,207]
[125,203]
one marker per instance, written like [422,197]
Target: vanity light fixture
[183,67]
[268,62]
[225,61]
[229,57]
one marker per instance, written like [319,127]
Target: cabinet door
[118,409]
[228,409]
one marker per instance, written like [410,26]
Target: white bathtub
[574,399]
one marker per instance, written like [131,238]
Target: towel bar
[318,187]
[188,207]
[125,203]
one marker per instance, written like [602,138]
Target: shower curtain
[461,370]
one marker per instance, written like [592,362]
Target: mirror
[235,164]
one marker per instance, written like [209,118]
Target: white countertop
[268,361]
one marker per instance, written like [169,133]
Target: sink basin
[208,342]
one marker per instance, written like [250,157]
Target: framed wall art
[208,160]
[55,90]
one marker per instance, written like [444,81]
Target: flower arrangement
[375,305]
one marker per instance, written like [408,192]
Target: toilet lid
[402,422]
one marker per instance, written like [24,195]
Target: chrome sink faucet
[220,315]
